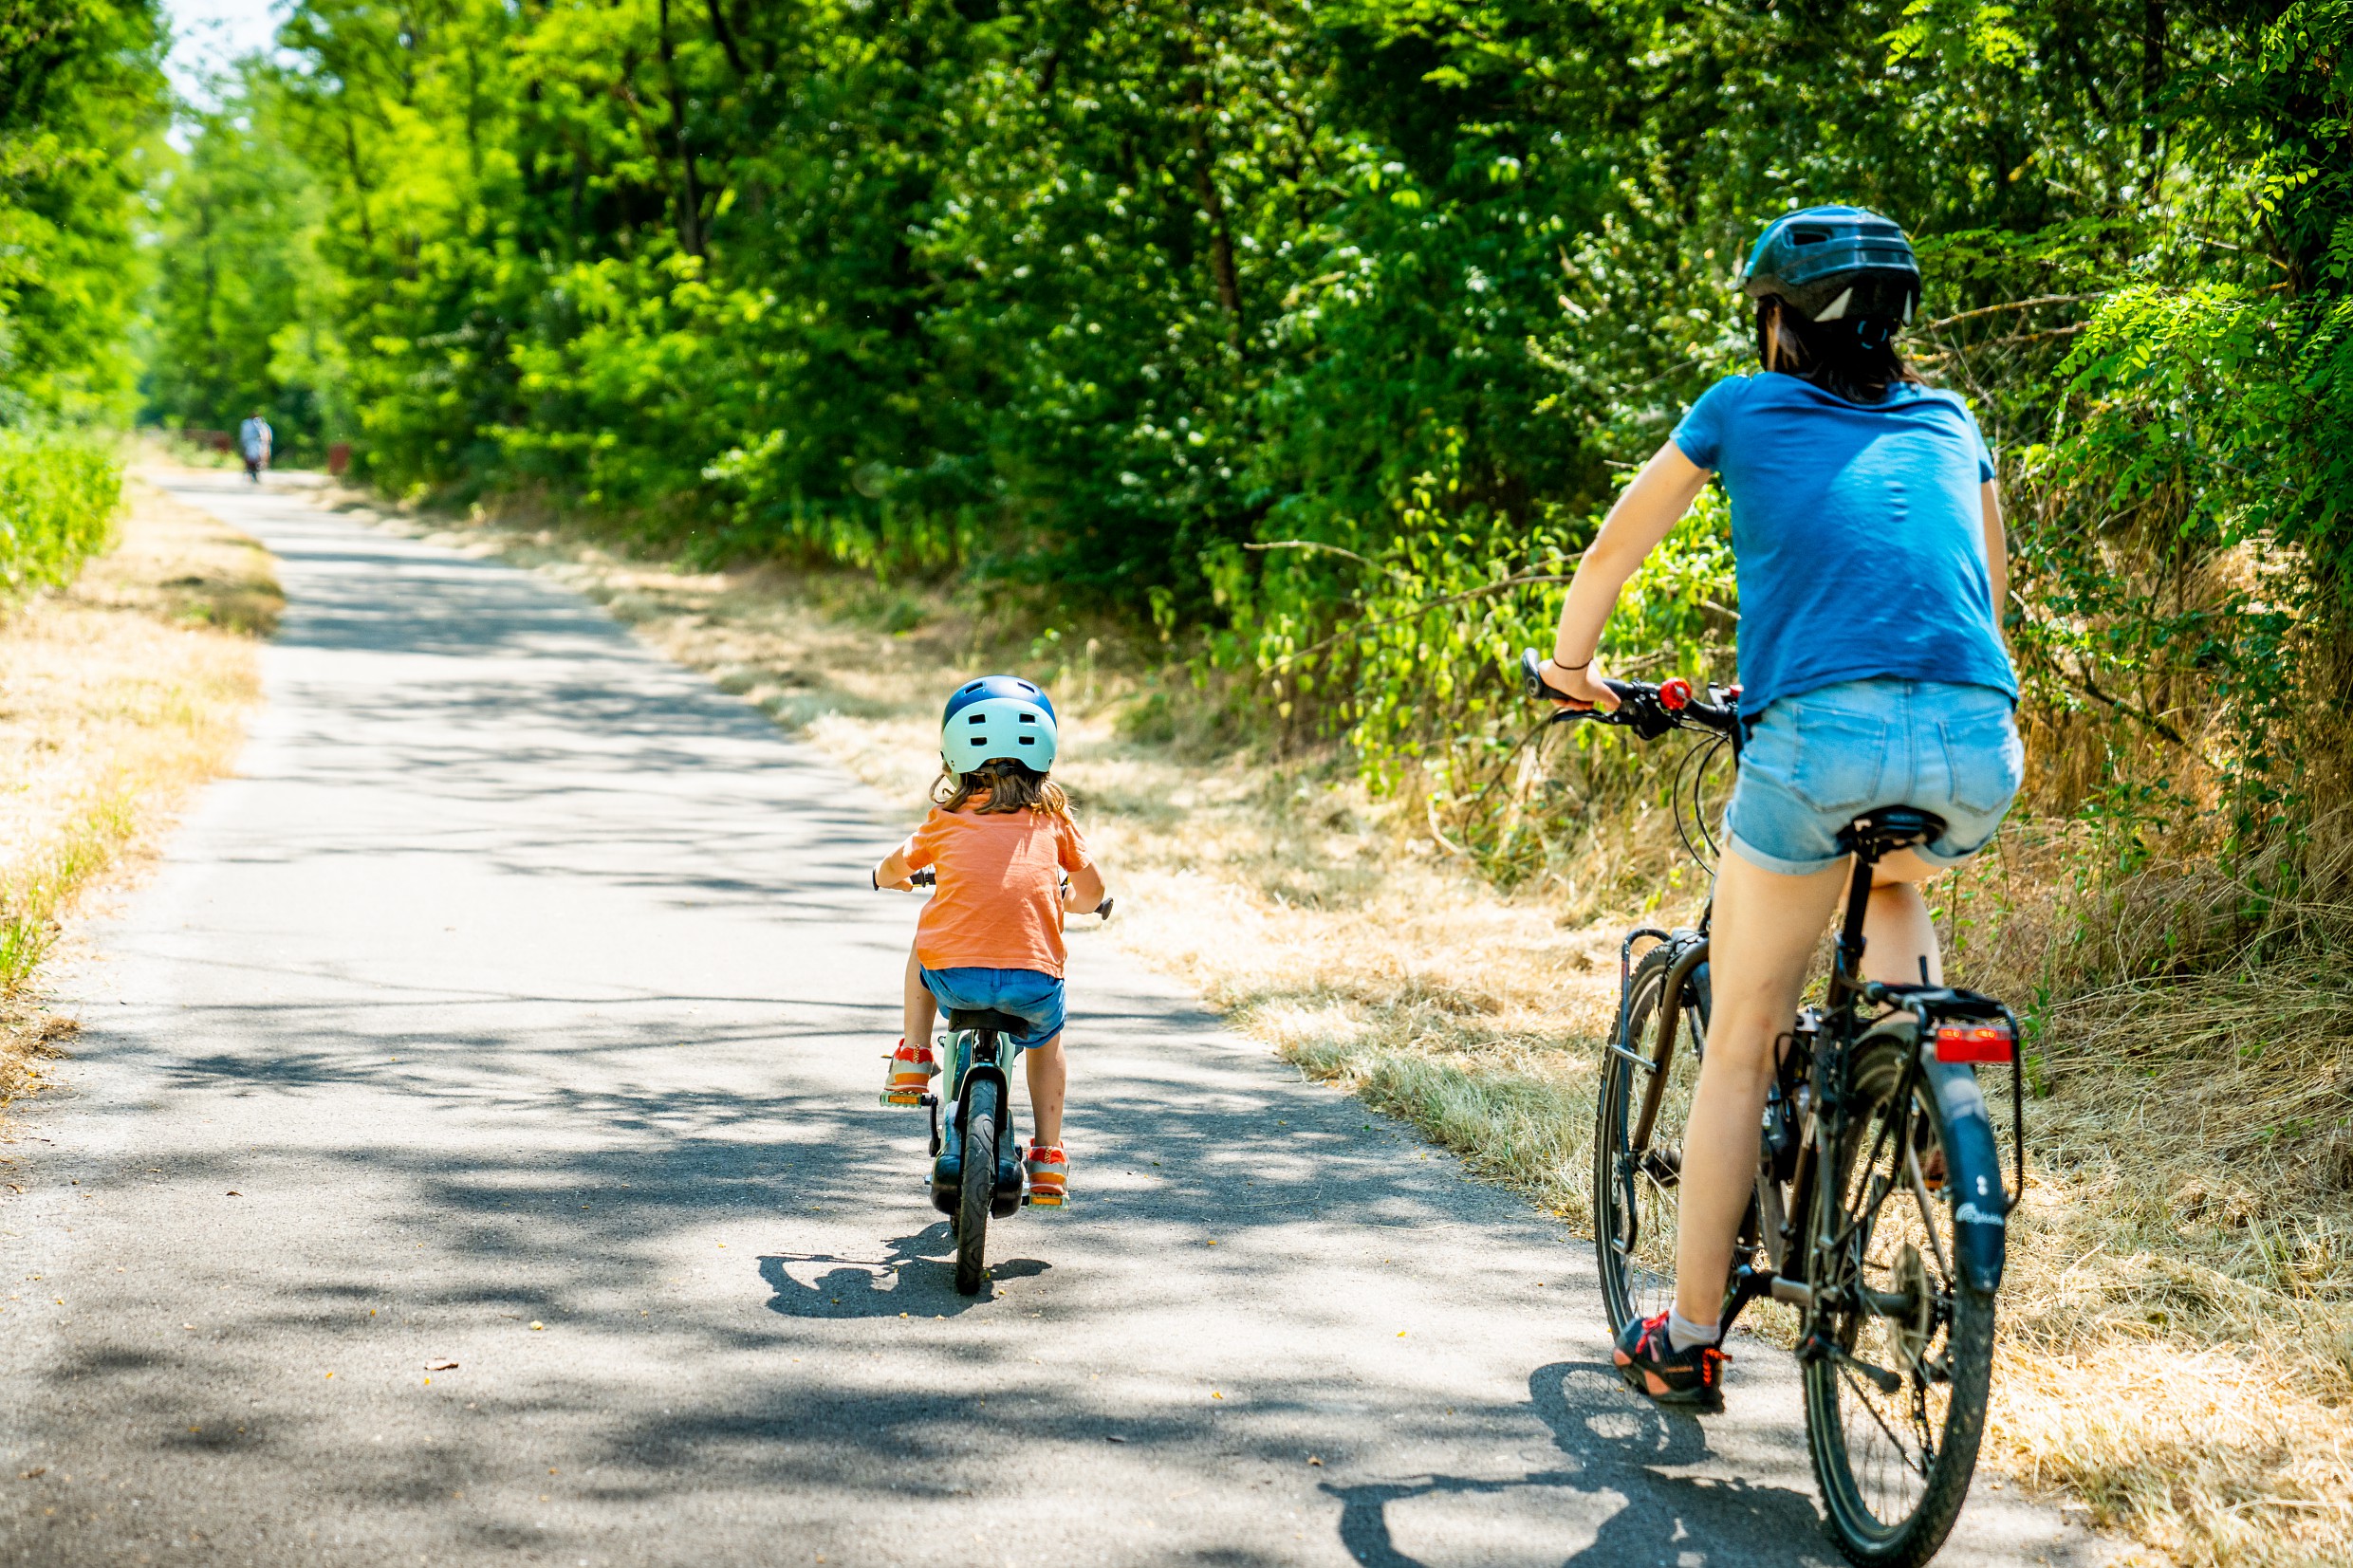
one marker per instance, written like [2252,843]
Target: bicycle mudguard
[1974,1165]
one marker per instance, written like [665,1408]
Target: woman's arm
[1997,553]
[1646,513]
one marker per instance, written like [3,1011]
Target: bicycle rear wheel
[1894,1461]
[1635,1189]
[981,1118]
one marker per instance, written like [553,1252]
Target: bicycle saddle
[1882,832]
[986,1018]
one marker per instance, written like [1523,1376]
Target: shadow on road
[1621,1451]
[916,1275]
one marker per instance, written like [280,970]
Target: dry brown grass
[2177,1342]
[120,692]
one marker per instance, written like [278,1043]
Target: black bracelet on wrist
[1587,665]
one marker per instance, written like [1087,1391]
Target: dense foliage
[1110,298]
[80,94]
[239,311]
[59,493]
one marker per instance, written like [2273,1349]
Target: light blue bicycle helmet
[997,717]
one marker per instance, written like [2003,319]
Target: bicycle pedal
[1046,1200]
[902,1098]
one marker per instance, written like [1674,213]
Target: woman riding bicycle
[1868,541]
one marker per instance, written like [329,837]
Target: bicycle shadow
[916,1276]
[1619,1451]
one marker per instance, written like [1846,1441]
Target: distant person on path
[253,438]
[1002,838]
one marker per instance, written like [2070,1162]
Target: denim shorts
[1815,762]
[1030,995]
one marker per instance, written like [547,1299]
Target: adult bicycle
[1879,1210]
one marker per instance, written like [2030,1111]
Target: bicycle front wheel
[1901,1354]
[981,1119]
[1636,1175]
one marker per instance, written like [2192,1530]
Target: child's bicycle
[976,1166]
[1879,1209]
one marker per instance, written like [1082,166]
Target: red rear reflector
[1973,1042]
[1674,693]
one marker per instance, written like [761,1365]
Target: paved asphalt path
[520,1005]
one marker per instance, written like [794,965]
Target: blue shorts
[1817,761]
[1033,996]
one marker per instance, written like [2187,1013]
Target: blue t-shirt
[1858,534]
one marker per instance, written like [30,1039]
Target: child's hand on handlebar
[1578,689]
[892,873]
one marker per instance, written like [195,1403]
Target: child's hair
[1836,361]
[1008,785]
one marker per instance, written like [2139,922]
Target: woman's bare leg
[920,1009]
[1763,931]
[1050,1079]
[1898,929]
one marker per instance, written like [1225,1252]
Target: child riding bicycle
[1868,541]
[1002,840]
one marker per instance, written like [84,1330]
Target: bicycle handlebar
[931,880]
[1649,711]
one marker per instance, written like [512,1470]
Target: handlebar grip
[924,879]
[1104,909]
[1540,690]
[1531,678]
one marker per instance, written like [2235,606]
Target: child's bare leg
[921,1010]
[1049,1077]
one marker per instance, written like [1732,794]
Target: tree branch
[2015,305]
[1366,629]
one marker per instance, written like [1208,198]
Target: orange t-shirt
[998,904]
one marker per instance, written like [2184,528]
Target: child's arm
[893,872]
[1084,894]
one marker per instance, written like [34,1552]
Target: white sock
[1683,1332]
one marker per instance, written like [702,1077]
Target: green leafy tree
[239,308]
[82,97]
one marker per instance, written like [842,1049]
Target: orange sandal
[1049,1175]
[911,1070]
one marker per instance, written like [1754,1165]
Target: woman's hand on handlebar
[1578,689]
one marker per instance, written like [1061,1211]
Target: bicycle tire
[1890,1506]
[1634,1191]
[979,1185]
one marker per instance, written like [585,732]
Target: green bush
[59,493]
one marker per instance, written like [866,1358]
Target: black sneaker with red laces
[1689,1379]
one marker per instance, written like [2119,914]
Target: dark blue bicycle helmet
[998,717]
[1834,265]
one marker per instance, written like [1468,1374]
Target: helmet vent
[1807,236]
